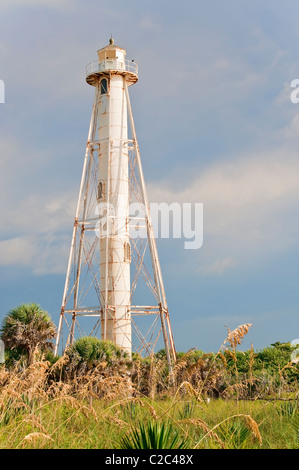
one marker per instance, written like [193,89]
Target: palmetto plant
[90,350]
[153,435]
[28,328]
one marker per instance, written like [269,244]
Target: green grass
[221,423]
[86,403]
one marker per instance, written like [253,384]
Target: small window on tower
[127,252]
[100,190]
[104,86]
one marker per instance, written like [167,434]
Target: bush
[88,352]
[153,435]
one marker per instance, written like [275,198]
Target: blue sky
[215,125]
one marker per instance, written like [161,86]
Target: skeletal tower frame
[90,265]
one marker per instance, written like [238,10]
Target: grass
[70,423]
[69,405]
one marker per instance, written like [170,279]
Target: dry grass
[42,406]
[235,337]
[40,414]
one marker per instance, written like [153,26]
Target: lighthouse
[105,262]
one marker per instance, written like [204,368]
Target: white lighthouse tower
[113,188]
[105,262]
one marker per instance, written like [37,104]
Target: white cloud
[34,223]
[44,254]
[291,131]
[150,23]
[218,267]
[17,251]
[39,214]
[52,255]
[249,207]
[285,94]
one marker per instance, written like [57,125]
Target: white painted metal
[112,64]
[109,180]
[114,178]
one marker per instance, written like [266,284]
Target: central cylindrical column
[113,199]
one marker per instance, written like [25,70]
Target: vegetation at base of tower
[90,351]
[95,396]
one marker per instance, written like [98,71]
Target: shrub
[153,435]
